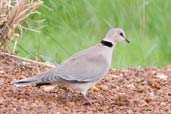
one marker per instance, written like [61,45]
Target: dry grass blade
[28,60]
[3,18]
[12,16]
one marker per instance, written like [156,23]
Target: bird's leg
[65,92]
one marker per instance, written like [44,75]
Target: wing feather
[84,69]
[86,66]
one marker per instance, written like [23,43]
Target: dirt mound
[126,91]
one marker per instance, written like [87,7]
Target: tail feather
[26,82]
[37,80]
[19,83]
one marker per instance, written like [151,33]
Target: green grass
[73,25]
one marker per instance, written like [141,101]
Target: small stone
[155,84]
[1,71]
[162,76]
[130,86]
[162,103]
[34,104]
[1,82]
[95,89]
[48,88]
[105,87]
[1,100]
[140,88]
[121,100]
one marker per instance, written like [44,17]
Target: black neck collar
[106,43]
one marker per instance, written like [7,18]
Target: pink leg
[65,92]
[87,101]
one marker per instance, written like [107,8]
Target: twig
[25,59]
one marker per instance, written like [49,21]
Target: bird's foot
[87,101]
[66,92]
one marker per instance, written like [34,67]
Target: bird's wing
[82,68]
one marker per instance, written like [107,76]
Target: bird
[82,70]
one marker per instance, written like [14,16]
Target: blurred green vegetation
[72,25]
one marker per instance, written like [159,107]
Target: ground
[122,91]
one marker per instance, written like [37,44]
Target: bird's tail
[27,81]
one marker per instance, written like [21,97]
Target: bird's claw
[87,101]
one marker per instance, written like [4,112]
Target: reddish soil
[123,91]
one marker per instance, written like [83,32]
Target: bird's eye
[121,34]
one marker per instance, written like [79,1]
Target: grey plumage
[82,70]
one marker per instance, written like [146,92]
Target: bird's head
[116,35]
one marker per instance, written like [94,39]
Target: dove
[82,70]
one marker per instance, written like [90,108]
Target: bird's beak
[126,40]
